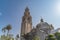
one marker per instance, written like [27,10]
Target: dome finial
[41,19]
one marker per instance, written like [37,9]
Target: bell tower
[26,25]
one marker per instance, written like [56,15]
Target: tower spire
[26,13]
[27,9]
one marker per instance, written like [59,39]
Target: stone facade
[43,29]
[27,32]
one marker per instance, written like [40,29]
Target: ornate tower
[26,25]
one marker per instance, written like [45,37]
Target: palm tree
[8,28]
[4,30]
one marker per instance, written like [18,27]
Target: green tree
[51,37]
[26,36]
[17,36]
[8,28]
[7,37]
[57,34]
[4,30]
[35,38]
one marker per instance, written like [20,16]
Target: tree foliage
[3,37]
[6,37]
[51,37]
[57,34]
[36,38]
[8,28]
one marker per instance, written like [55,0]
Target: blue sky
[11,12]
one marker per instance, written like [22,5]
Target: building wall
[26,25]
